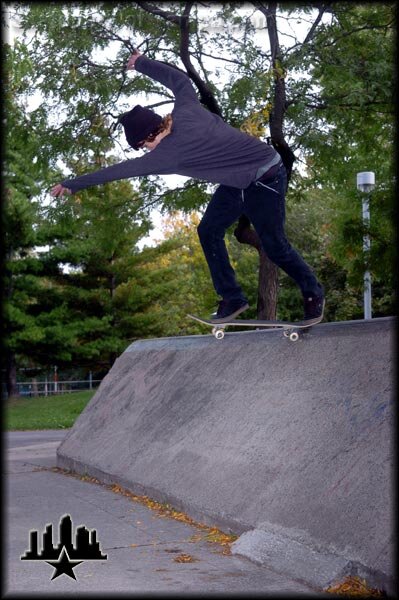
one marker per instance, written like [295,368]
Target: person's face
[150,145]
[153,144]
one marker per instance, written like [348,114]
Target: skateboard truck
[218,332]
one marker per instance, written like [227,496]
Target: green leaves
[78,289]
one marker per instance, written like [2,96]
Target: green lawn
[51,412]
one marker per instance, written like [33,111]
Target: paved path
[140,545]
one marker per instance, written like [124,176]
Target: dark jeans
[265,208]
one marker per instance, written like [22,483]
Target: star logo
[71,550]
[64,565]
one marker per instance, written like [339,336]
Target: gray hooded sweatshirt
[201,145]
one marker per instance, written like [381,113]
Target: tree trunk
[11,375]
[267,288]
[266,308]
[276,118]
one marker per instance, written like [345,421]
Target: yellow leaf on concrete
[354,586]
[185,558]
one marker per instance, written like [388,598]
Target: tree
[24,170]
[354,132]
[179,277]
[206,90]
[94,253]
[64,259]
[293,85]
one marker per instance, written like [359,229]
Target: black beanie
[138,124]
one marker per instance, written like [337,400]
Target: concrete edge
[236,334]
[303,562]
[227,524]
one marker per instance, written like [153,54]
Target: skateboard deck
[289,328]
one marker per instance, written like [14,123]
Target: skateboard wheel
[294,336]
[286,333]
[219,334]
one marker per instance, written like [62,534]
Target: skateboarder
[250,175]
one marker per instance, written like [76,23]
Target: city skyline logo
[66,555]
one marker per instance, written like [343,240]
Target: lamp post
[365,183]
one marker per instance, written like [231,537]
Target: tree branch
[276,118]
[230,60]
[165,14]
[312,30]
[206,95]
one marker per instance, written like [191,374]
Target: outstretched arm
[156,162]
[152,162]
[171,77]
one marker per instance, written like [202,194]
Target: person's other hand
[59,191]
[132,60]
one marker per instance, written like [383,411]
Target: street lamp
[365,182]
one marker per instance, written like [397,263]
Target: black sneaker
[314,306]
[228,310]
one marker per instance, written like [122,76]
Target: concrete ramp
[288,444]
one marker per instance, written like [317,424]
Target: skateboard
[289,328]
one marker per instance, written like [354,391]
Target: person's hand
[132,60]
[59,191]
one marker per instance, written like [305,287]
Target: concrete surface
[255,432]
[140,545]
[301,561]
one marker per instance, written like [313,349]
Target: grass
[51,412]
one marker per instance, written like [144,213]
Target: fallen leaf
[196,537]
[162,510]
[185,558]
[354,586]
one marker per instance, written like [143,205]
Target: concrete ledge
[255,432]
[317,566]
[284,555]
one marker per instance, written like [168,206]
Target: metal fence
[49,388]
